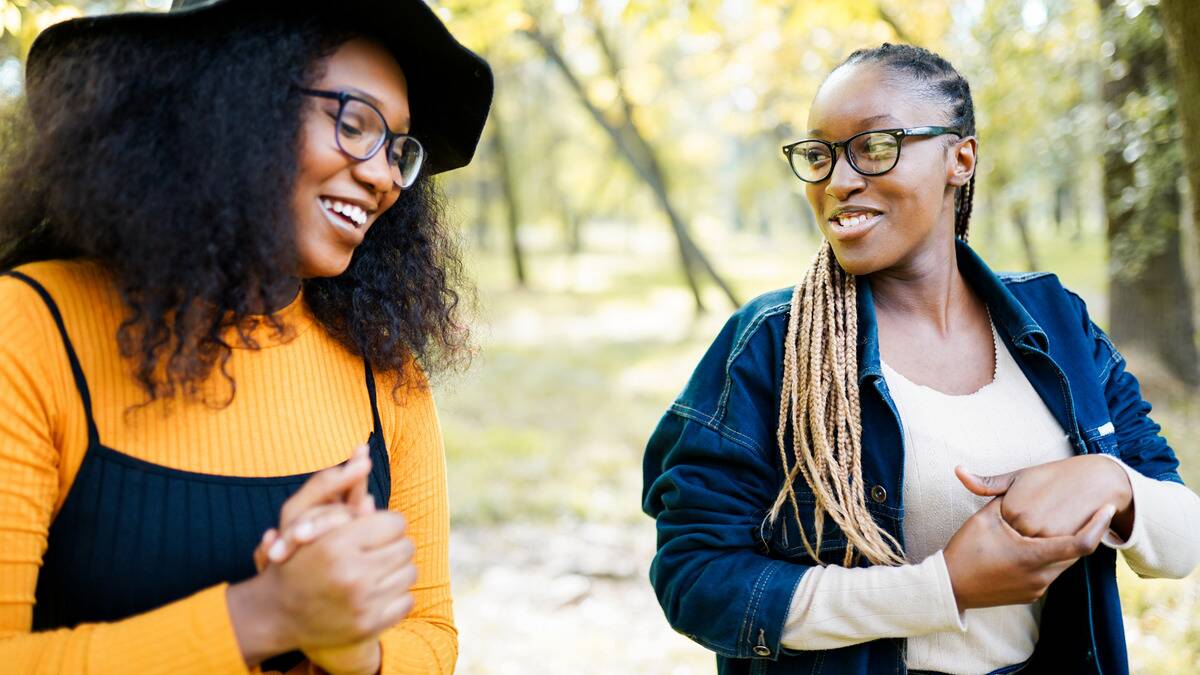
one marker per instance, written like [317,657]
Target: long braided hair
[820,398]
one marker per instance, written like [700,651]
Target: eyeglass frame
[898,134]
[389,136]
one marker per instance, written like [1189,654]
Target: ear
[962,161]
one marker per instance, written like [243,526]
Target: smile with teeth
[350,212]
[850,219]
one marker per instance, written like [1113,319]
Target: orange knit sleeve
[426,642]
[193,635]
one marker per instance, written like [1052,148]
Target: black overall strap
[76,369]
[374,402]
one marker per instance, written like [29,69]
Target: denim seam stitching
[1022,277]
[1114,358]
[740,345]
[721,430]
[764,578]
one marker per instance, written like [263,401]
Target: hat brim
[449,87]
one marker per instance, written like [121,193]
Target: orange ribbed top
[300,406]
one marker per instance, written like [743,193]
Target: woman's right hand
[992,564]
[341,588]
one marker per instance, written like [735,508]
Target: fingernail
[275,553]
[304,530]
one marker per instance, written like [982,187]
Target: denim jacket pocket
[783,539]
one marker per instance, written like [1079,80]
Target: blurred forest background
[630,192]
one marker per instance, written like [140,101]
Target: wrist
[258,621]
[364,658]
[1122,497]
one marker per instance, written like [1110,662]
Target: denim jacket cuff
[768,609]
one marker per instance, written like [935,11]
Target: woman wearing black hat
[226,267]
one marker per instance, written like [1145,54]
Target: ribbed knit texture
[300,406]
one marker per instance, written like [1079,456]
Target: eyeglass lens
[870,154]
[361,132]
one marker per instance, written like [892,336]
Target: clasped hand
[1040,521]
[342,569]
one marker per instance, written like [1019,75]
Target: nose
[375,172]
[844,181]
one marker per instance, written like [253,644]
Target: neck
[928,288]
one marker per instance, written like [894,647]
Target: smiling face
[337,198]
[879,222]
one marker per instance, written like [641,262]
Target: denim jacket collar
[1010,316]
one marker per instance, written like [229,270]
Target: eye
[348,128]
[815,156]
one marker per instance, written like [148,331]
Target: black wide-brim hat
[449,86]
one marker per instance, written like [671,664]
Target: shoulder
[1044,292]
[84,294]
[63,280]
[735,385]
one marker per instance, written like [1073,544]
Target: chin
[324,266]
[858,262]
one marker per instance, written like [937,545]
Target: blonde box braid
[819,401]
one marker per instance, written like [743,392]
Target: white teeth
[350,211]
[851,221]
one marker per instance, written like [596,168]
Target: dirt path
[563,598]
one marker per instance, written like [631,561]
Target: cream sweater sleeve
[1165,541]
[838,606]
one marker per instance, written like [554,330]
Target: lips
[850,223]
[343,223]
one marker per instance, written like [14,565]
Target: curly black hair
[168,156]
[941,80]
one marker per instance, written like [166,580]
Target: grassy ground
[545,434]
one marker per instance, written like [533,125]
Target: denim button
[762,650]
[879,494]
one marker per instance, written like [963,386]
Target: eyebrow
[864,122]
[406,122]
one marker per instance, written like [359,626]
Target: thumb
[1083,542]
[985,486]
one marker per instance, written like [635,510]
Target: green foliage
[1142,137]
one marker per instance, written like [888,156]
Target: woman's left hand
[308,526]
[1057,498]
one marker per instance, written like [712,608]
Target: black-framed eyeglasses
[870,153]
[361,131]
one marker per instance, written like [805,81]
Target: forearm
[419,647]
[1163,539]
[836,606]
[193,635]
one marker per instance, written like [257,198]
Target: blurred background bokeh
[630,191]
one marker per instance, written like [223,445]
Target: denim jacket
[712,469]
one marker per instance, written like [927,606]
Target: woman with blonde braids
[813,484]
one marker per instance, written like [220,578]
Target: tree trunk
[640,155]
[1150,305]
[1021,222]
[511,199]
[1181,18]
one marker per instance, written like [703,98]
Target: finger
[260,553]
[315,522]
[393,555]
[358,491]
[396,612]
[372,531]
[324,487]
[985,486]
[1083,542]
[397,581]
